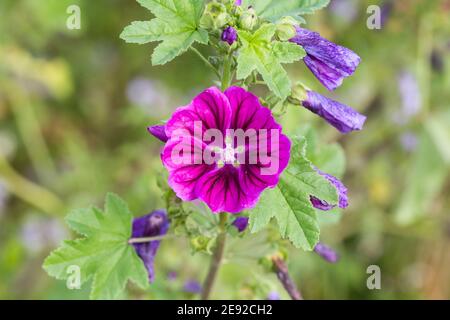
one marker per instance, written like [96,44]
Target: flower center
[228,154]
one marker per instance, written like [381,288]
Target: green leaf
[260,53]
[289,202]
[177,25]
[104,254]
[272,10]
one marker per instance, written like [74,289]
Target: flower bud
[229,35]
[298,94]
[215,16]
[285,29]
[248,19]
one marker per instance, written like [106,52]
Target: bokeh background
[74,106]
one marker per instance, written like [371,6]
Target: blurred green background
[74,106]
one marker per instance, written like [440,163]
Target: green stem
[226,75]
[30,192]
[206,61]
[149,239]
[217,257]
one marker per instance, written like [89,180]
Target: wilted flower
[229,182]
[192,286]
[240,223]
[151,225]
[340,116]
[229,35]
[326,253]
[342,194]
[329,62]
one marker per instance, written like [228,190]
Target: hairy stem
[281,270]
[206,61]
[216,260]
[226,75]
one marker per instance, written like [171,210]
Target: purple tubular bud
[340,116]
[151,225]
[229,35]
[326,253]
[341,189]
[240,223]
[329,62]
[159,132]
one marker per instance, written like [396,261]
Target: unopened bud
[248,19]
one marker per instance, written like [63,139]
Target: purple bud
[326,253]
[192,286]
[238,2]
[340,116]
[158,132]
[341,189]
[151,225]
[240,223]
[229,35]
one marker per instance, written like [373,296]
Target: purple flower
[172,276]
[326,253]
[342,194]
[192,286]
[238,2]
[240,223]
[340,116]
[411,97]
[345,9]
[158,132]
[151,225]
[273,295]
[409,141]
[329,62]
[229,35]
[236,174]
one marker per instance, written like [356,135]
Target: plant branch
[206,61]
[216,260]
[281,270]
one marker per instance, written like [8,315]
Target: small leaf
[272,10]
[289,202]
[176,24]
[104,254]
[259,53]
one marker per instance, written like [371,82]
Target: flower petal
[341,189]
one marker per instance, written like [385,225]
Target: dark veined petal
[340,116]
[151,225]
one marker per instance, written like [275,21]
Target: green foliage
[274,10]
[260,53]
[289,202]
[104,253]
[177,25]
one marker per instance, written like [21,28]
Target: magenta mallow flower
[342,194]
[329,62]
[327,253]
[236,171]
[340,116]
[151,225]
[241,223]
[229,35]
